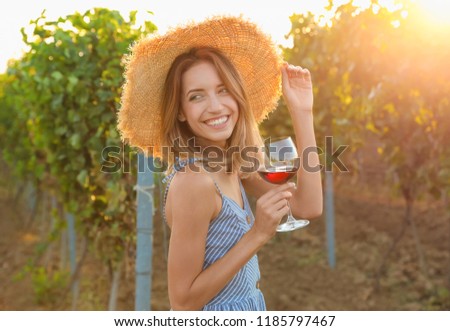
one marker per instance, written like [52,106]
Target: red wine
[278,175]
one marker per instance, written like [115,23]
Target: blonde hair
[245,133]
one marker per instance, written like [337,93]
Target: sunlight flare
[436,11]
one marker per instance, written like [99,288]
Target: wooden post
[72,256]
[329,216]
[115,285]
[144,240]
[329,200]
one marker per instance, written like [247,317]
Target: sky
[271,15]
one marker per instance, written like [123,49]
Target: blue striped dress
[232,222]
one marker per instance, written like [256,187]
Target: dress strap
[178,165]
[217,187]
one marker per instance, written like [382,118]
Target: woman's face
[207,106]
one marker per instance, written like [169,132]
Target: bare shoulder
[191,184]
[191,197]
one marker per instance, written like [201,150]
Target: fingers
[273,193]
[284,76]
[291,71]
[280,205]
[270,209]
[275,201]
[271,212]
[283,197]
[281,212]
[280,209]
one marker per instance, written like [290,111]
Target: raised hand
[297,88]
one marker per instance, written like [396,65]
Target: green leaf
[82,178]
[133,16]
[61,130]
[75,141]
[73,81]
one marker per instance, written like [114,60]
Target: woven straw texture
[251,51]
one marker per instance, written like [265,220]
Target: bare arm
[297,91]
[193,206]
[307,199]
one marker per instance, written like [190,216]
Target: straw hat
[251,51]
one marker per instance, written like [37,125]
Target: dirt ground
[294,266]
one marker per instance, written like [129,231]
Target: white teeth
[217,121]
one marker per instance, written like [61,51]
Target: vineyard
[68,191]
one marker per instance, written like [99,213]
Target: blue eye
[223,90]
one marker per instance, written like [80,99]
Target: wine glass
[281,164]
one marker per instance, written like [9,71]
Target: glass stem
[290,217]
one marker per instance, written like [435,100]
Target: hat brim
[251,51]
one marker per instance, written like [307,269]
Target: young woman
[219,78]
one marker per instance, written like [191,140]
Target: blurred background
[68,221]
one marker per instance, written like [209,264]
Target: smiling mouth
[217,121]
